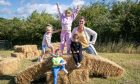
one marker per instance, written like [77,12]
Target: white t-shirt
[46,37]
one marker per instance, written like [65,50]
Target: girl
[76,49]
[46,42]
[66,23]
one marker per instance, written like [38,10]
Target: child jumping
[46,42]
[58,64]
[76,49]
[66,22]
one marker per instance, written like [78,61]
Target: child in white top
[46,42]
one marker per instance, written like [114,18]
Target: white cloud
[4,3]
[29,8]
[5,11]
[78,2]
[26,10]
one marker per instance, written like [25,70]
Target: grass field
[130,62]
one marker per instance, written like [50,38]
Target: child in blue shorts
[58,64]
[46,42]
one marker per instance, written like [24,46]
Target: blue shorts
[44,48]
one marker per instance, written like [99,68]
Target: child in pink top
[66,22]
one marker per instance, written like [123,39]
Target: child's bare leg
[40,59]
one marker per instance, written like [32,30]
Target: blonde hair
[68,10]
[75,34]
[49,27]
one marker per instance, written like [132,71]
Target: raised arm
[75,12]
[58,8]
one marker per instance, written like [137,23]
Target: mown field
[130,62]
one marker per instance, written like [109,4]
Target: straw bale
[18,55]
[79,76]
[104,67]
[30,55]
[33,72]
[25,48]
[9,66]
[18,48]
[62,78]
[37,53]
[97,65]
[90,64]
[34,47]
[28,48]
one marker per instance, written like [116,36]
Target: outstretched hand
[78,6]
[57,3]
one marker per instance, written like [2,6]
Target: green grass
[4,53]
[130,62]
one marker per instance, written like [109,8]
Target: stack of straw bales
[25,51]
[96,65]
[33,72]
[90,64]
[9,66]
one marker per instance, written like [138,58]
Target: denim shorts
[44,48]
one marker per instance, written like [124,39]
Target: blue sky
[23,8]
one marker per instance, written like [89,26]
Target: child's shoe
[65,71]
[40,59]
[78,65]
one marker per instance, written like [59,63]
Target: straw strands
[9,66]
[33,72]
[96,65]
[25,51]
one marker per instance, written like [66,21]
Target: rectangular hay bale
[18,55]
[9,66]
[33,72]
[62,78]
[79,76]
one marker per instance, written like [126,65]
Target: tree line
[119,22]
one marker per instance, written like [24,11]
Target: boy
[76,49]
[58,64]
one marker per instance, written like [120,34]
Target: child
[76,49]
[58,64]
[46,42]
[66,23]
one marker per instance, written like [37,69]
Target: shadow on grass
[40,80]
[97,76]
[35,60]
[7,77]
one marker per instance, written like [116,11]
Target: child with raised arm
[76,48]
[58,64]
[66,22]
[46,42]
